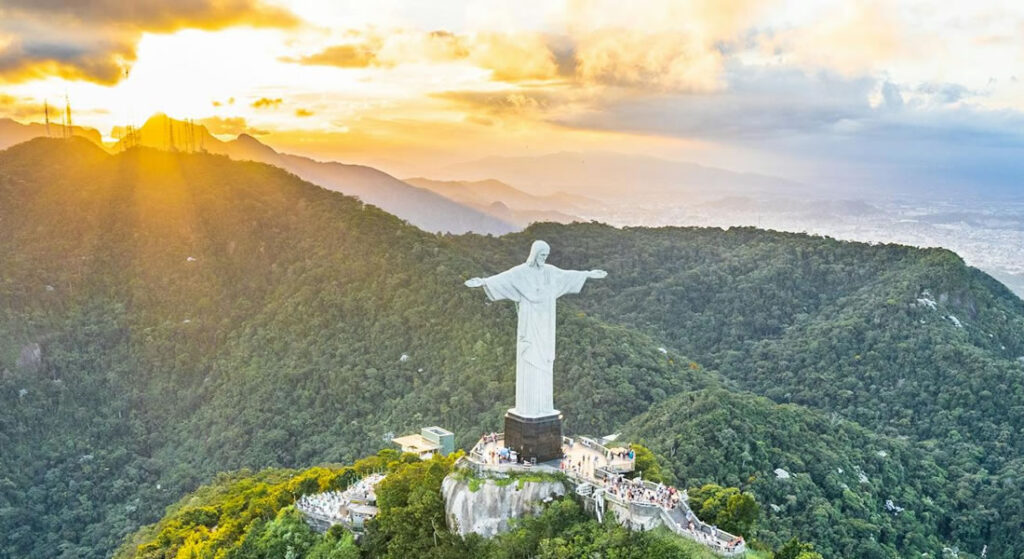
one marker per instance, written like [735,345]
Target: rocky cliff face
[488,509]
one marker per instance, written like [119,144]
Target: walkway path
[587,462]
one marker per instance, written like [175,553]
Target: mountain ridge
[13,132]
[419,206]
[605,175]
[507,202]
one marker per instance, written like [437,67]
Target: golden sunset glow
[410,85]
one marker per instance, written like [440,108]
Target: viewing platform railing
[676,519]
[720,541]
[607,452]
[478,461]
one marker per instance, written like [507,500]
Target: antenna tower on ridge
[67,108]
[170,135]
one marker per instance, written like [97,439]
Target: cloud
[665,45]
[638,59]
[507,103]
[23,108]
[671,45]
[755,103]
[233,125]
[944,93]
[157,15]
[301,112]
[96,40]
[511,57]
[514,57]
[852,39]
[266,103]
[342,56]
[856,130]
[34,50]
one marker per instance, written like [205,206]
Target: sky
[841,94]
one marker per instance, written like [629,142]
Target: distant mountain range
[508,203]
[420,207]
[13,132]
[478,195]
[611,176]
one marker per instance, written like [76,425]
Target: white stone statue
[534,286]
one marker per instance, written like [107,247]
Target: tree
[725,507]
[796,549]
[646,464]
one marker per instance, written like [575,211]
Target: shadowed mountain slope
[420,207]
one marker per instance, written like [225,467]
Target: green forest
[251,516]
[168,317]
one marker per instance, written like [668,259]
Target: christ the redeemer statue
[534,286]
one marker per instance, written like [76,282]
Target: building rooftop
[416,443]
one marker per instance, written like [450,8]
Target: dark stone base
[534,437]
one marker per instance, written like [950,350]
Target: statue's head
[538,253]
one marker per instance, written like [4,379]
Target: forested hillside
[250,516]
[909,343]
[169,316]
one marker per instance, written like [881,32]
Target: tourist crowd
[331,504]
[326,505]
[598,467]
[498,454]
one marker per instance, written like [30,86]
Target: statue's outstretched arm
[595,274]
[475,282]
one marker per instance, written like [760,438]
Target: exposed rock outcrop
[488,509]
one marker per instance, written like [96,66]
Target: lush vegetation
[904,347]
[251,515]
[726,507]
[195,315]
[247,516]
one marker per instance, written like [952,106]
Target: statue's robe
[534,290]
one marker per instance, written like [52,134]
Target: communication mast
[130,138]
[67,108]
[170,135]
[46,111]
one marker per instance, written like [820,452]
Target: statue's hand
[598,274]
[474,282]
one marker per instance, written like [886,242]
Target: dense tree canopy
[263,524]
[165,317]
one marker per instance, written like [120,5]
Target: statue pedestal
[534,437]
